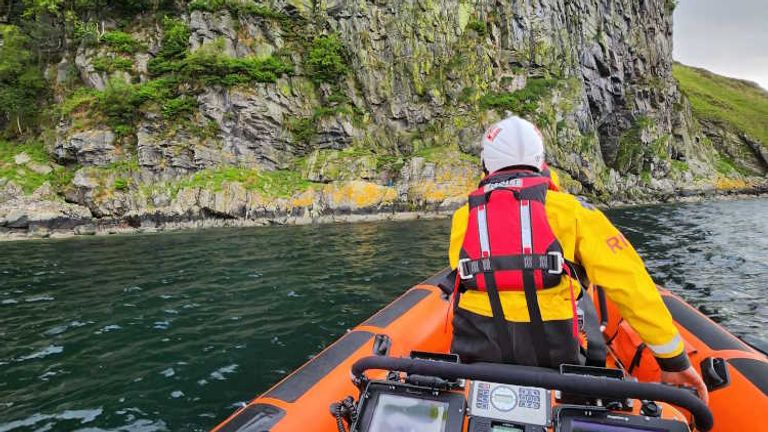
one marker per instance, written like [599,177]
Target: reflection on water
[173,331]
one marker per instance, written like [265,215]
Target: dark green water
[173,331]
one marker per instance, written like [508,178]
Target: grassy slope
[23,175]
[732,103]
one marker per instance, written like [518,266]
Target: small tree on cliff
[22,85]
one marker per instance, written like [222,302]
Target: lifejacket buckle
[462,268]
[556,263]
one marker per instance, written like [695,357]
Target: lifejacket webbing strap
[539,336]
[506,175]
[533,193]
[603,302]
[551,262]
[573,303]
[499,321]
[636,358]
[453,302]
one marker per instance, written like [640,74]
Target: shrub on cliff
[236,7]
[180,106]
[119,104]
[173,49]
[326,60]
[36,8]
[478,27]
[207,5]
[212,67]
[121,42]
[111,64]
[209,64]
[522,102]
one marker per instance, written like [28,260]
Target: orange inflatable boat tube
[416,321]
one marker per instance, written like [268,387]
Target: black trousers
[475,340]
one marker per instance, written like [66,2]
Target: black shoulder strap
[636,358]
[538,335]
[499,321]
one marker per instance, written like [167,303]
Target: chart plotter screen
[403,414]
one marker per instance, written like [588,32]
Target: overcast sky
[729,37]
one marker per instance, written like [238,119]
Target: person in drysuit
[515,245]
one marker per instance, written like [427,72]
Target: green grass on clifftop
[740,106]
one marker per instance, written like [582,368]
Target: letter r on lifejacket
[617,243]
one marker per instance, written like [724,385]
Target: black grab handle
[545,378]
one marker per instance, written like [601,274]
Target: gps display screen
[403,414]
[586,426]
[503,428]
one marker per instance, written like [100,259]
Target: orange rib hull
[417,321]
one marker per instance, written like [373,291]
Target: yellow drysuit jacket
[588,238]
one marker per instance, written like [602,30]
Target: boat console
[502,407]
[444,396]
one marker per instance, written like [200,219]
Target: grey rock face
[9,191]
[24,212]
[422,75]
[88,74]
[42,169]
[750,154]
[415,66]
[91,147]
[174,156]
[253,124]
[207,27]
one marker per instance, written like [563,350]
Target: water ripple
[45,352]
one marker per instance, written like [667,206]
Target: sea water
[174,331]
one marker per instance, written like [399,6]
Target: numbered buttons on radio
[483,396]
[530,398]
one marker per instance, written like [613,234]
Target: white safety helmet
[512,141]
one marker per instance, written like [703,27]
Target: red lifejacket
[508,233]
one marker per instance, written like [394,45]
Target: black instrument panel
[588,419]
[391,406]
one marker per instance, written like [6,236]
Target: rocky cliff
[236,109]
